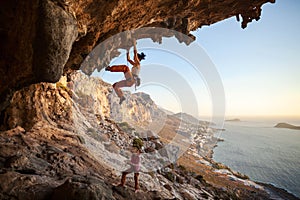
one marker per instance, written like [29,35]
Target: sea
[266,154]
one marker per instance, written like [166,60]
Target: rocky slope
[62,143]
[41,39]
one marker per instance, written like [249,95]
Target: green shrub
[91,130]
[169,176]
[182,168]
[61,86]
[124,126]
[241,176]
[219,166]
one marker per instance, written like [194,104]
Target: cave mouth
[57,36]
[174,63]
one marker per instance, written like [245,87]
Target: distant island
[233,120]
[286,125]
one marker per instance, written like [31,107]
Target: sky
[259,67]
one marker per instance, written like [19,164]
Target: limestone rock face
[38,102]
[42,38]
[92,93]
[56,31]
[37,164]
[139,110]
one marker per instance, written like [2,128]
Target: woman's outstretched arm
[136,58]
[128,59]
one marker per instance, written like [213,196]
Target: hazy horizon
[239,116]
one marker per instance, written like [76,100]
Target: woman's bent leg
[124,83]
[117,87]
[123,179]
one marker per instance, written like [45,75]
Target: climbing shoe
[121,100]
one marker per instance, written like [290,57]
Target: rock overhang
[41,40]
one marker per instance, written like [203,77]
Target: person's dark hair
[141,56]
[138,143]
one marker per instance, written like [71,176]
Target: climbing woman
[131,77]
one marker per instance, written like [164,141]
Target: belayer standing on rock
[135,164]
[131,77]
